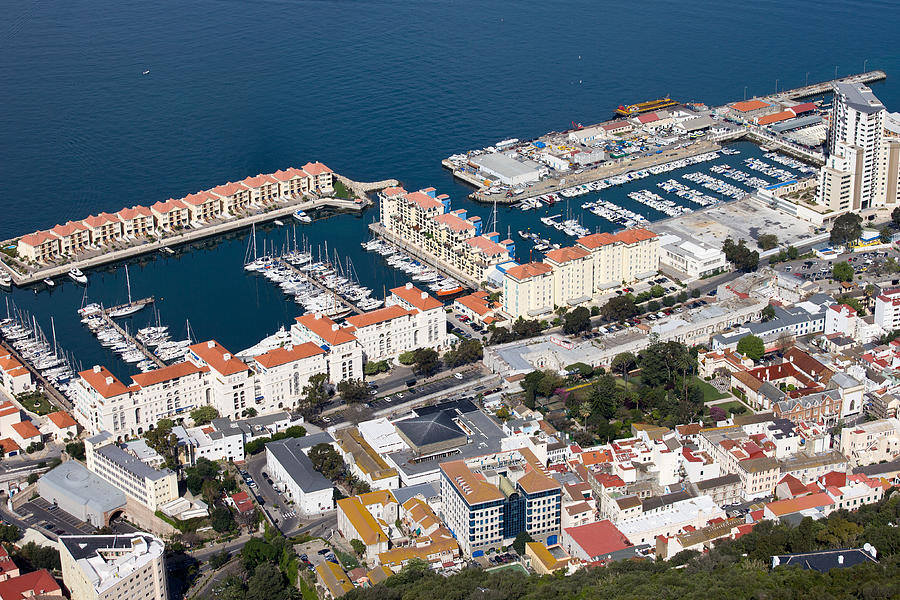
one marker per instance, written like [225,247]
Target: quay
[620,166]
[824,87]
[379,230]
[142,246]
[318,284]
[104,314]
[55,396]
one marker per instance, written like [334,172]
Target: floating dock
[104,314]
[318,284]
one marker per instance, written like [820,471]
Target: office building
[128,566]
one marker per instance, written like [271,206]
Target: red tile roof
[229,189]
[528,270]
[614,125]
[424,201]
[218,358]
[803,108]
[416,297]
[567,254]
[37,238]
[26,430]
[454,222]
[167,206]
[476,302]
[597,539]
[9,446]
[101,219]
[200,198]
[749,105]
[648,117]
[487,246]
[316,168]
[326,329]
[629,236]
[289,174]
[258,181]
[785,507]
[775,118]
[30,584]
[62,419]
[169,373]
[394,191]
[242,502]
[70,228]
[283,356]
[104,382]
[381,315]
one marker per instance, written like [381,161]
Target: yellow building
[333,579]
[546,561]
[235,197]
[573,275]
[621,257]
[369,519]
[40,246]
[203,206]
[528,290]
[73,236]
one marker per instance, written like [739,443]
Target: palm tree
[624,362]
[585,411]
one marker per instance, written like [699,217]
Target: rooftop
[298,466]
[218,358]
[416,298]
[598,539]
[282,356]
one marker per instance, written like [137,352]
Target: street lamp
[745,92]
[807,78]
[865,62]
[835,71]
[776,86]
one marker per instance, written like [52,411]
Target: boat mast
[128,284]
[53,330]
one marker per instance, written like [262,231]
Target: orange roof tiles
[127,214]
[394,191]
[104,382]
[316,168]
[629,236]
[35,584]
[775,118]
[229,189]
[167,206]
[289,174]
[101,220]
[785,507]
[487,246]
[218,358]
[26,430]
[258,181]
[325,329]
[69,228]
[8,363]
[282,356]
[37,238]
[200,198]
[424,201]
[476,302]
[381,315]
[169,373]
[416,297]
[472,487]
[528,270]
[749,105]
[8,408]
[454,222]
[567,254]
[62,419]
[9,446]
[599,538]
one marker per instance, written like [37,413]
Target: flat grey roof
[130,463]
[73,481]
[858,97]
[505,165]
[86,546]
[427,490]
[290,454]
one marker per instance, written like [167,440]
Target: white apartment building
[129,566]
[344,352]
[212,444]
[854,145]
[282,373]
[430,322]
[573,275]
[149,486]
[694,259]
[872,442]
[887,309]
[528,290]
[231,382]
[293,472]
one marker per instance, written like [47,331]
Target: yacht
[49,282]
[76,275]
[5,280]
[302,216]
[130,308]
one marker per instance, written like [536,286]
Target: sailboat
[130,308]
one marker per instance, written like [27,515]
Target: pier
[380,231]
[104,314]
[623,165]
[139,247]
[318,284]
[56,397]
[141,302]
[824,87]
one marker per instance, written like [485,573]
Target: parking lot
[314,551]
[272,501]
[426,389]
[869,267]
[51,519]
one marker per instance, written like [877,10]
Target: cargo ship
[642,107]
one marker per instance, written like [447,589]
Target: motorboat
[5,280]
[302,216]
[76,275]
[49,282]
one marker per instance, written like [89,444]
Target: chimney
[335,326]
[97,368]
[318,316]
[210,344]
[424,295]
[227,356]
[109,380]
[409,285]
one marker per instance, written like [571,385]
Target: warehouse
[82,494]
[508,170]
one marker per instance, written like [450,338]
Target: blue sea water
[374,89]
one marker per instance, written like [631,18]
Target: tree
[752,347]
[202,415]
[740,256]
[358,546]
[577,320]
[326,460]
[314,392]
[895,216]
[653,306]
[221,519]
[792,253]
[503,413]
[519,543]
[767,241]
[75,450]
[407,358]
[717,414]
[657,291]
[846,228]
[353,390]
[32,478]
[623,363]
[257,551]
[668,301]
[267,583]
[662,362]
[695,293]
[39,557]
[768,313]
[682,297]
[619,308]
[163,441]
[885,235]
[427,362]
[249,412]
[10,533]
[842,271]
[605,396]
[465,352]
[219,559]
